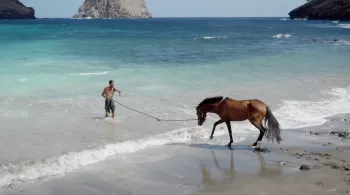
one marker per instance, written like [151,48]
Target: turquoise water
[53,71]
[47,56]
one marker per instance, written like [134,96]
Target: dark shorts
[109,106]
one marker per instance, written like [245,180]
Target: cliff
[14,9]
[113,9]
[323,10]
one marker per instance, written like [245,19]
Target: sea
[53,71]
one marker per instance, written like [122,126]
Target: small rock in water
[344,134]
[313,133]
[332,165]
[304,167]
[319,183]
[282,163]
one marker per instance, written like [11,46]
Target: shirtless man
[108,93]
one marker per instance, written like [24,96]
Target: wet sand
[208,167]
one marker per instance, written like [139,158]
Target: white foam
[89,73]
[336,22]
[22,80]
[297,114]
[47,168]
[284,19]
[338,42]
[214,37]
[344,25]
[342,42]
[278,36]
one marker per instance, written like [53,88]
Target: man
[108,93]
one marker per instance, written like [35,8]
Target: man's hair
[111,81]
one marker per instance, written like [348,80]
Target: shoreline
[208,167]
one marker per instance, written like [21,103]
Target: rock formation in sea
[323,10]
[14,9]
[113,9]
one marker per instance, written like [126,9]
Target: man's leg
[106,107]
[112,108]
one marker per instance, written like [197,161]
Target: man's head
[111,83]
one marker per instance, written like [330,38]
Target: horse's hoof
[229,145]
[253,145]
[211,137]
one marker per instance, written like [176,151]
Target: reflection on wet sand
[206,175]
[228,174]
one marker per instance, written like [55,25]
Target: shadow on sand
[221,147]
[98,118]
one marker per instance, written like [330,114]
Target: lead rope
[158,119]
[219,104]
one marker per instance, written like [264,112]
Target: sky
[179,8]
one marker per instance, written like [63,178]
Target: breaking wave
[297,114]
[53,167]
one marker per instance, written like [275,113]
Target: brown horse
[240,110]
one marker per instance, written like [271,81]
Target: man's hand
[118,91]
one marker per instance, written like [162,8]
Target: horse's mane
[210,100]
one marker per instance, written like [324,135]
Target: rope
[158,119]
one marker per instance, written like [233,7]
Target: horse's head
[207,105]
[201,115]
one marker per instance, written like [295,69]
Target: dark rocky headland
[14,9]
[323,10]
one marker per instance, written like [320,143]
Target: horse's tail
[273,127]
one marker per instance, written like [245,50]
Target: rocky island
[323,10]
[113,9]
[14,9]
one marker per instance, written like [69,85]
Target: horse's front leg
[230,132]
[215,124]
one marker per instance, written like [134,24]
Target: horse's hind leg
[230,132]
[258,125]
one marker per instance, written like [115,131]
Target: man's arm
[117,91]
[104,91]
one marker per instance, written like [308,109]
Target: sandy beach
[208,167]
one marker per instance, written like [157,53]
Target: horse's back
[257,104]
[246,109]
[237,110]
